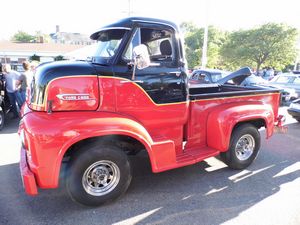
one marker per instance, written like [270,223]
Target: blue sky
[86,16]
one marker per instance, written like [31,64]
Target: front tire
[98,174]
[244,147]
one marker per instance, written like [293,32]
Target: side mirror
[141,56]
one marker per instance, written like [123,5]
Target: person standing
[11,83]
[25,81]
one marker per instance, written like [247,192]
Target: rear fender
[222,120]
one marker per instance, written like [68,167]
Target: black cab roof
[128,23]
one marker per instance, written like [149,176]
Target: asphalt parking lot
[267,192]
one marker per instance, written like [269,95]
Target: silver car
[287,80]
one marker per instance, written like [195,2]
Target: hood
[237,76]
[51,71]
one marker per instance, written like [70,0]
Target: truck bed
[215,91]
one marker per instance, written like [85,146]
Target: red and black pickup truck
[133,95]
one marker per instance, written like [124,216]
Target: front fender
[51,135]
[107,124]
[222,120]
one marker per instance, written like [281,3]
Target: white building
[15,53]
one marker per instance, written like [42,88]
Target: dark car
[207,76]
[294,109]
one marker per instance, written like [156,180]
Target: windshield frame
[107,60]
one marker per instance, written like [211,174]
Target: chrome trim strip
[113,28]
[74,97]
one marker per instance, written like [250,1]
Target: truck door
[164,80]
[157,96]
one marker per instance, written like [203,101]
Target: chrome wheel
[101,178]
[245,147]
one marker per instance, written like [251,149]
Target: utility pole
[205,38]
[129,8]
[204,48]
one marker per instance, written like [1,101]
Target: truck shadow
[204,193]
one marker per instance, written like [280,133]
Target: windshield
[108,42]
[282,79]
[217,76]
[252,80]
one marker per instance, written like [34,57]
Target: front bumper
[28,178]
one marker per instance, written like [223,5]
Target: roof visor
[109,33]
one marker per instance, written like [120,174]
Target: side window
[203,78]
[159,43]
[194,76]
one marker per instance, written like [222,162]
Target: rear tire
[98,174]
[243,148]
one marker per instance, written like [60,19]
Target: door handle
[138,81]
[176,73]
[129,81]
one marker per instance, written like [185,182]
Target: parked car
[3,102]
[253,80]
[207,76]
[294,109]
[5,106]
[2,93]
[288,80]
[287,94]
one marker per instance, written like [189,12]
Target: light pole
[129,7]
[205,38]
[204,48]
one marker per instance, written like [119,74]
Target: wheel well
[258,123]
[130,145]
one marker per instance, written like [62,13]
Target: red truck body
[72,111]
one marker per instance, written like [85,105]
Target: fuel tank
[64,86]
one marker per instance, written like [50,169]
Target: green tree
[268,45]
[35,57]
[187,27]
[22,36]
[194,42]
[41,37]
[59,58]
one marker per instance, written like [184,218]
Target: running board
[166,161]
[193,156]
